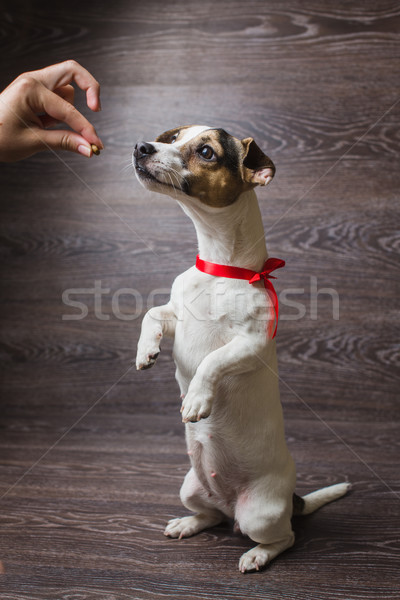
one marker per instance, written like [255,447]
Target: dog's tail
[311,502]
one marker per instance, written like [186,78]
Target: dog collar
[251,276]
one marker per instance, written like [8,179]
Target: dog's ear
[258,168]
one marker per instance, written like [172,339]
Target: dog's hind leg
[259,556]
[195,498]
[266,520]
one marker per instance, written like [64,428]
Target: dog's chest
[210,312]
[204,317]
[206,308]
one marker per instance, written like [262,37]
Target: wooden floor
[92,453]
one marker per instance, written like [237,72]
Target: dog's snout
[144,149]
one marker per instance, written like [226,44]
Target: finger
[47,121]
[61,110]
[61,74]
[58,139]
[67,92]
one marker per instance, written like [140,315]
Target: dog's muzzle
[151,172]
[141,152]
[143,149]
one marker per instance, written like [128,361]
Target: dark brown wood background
[92,452]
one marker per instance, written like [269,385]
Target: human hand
[40,99]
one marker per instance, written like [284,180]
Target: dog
[224,347]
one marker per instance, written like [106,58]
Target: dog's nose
[143,149]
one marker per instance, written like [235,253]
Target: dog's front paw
[196,406]
[147,356]
[148,362]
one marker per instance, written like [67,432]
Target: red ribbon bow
[251,276]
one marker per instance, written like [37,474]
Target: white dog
[224,351]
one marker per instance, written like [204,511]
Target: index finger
[66,72]
[64,112]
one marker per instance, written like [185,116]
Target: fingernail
[85,150]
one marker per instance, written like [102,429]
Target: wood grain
[92,453]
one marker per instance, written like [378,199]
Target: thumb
[59,139]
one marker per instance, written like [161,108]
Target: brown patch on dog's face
[213,160]
[172,135]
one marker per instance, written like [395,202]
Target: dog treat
[95,149]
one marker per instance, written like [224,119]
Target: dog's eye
[206,152]
[173,139]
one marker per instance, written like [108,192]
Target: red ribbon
[251,276]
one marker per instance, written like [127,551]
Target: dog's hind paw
[184,527]
[259,556]
[254,560]
[188,526]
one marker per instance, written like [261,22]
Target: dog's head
[201,162]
